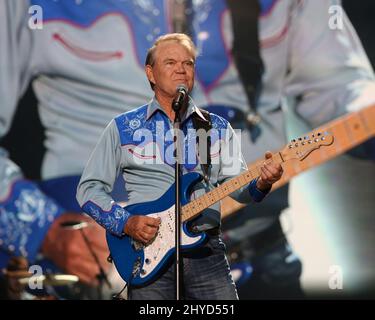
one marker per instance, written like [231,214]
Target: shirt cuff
[256,194]
[113,220]
[25,218]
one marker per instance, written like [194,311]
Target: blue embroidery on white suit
[27,212]
[148,20]
[146,17]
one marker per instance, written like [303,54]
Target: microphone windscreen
[181,87]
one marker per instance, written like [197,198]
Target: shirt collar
[154,106]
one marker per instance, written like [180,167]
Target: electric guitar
[139,264]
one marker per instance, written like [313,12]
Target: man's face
[173,65]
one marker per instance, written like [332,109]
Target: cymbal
[51,279]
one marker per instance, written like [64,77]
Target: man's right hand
[69,251]
[142,228]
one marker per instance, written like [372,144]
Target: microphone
[181,93]
[75,225]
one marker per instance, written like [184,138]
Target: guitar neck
[195,207]
[349,131]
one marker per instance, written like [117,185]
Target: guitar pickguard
[164,241]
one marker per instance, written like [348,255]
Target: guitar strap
[203,153]
[247,56]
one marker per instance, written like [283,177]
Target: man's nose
[180,68]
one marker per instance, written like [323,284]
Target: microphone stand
[178,170]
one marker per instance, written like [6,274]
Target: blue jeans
[206,276]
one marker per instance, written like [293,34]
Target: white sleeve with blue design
[329,69]
[25,212]
[97,182]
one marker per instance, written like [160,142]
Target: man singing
[149,172]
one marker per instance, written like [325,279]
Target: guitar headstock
[300,148]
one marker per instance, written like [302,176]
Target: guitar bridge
[136,267]
[137,245]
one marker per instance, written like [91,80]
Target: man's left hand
[270,173]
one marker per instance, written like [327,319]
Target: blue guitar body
[140,264]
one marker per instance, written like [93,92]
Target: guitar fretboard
[194,207]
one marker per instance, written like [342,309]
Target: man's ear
[150,74]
